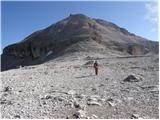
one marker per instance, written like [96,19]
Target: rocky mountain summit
[76,33]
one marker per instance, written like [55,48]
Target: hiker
[96,67]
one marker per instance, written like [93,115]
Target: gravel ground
[70,89]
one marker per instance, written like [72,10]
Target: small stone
[89,62]
[76,104]
[6,89]
[94,103]
[59,98]
[48,97]
[9,102]
[17,116]
[134,116]
[80,114]
[94,116]
[88,118]
[3,102]
[44,103]
[82,107]
[102,100]
[42,98]
[69,104]
[111,103]
[81,96]
[109,99]
[130,98]
[94,89]
[71,92]
[101,85]
[92,99]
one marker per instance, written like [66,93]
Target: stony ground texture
[69,89]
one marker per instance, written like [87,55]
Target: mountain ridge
[83,34]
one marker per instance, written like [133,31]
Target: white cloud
[151,12]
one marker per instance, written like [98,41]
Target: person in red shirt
[96,67]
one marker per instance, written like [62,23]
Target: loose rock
[48,97]
[59,98]
[17,116]
[81,96]
[76,104]
[132,78]
[94,117]
[101,85]
[71,92]
[80,106]
[89,62]
[6,89]
[134,116]
[80,114]
[111,103]
[94,103]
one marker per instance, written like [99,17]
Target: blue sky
[20,19]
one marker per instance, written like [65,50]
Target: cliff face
[95,34]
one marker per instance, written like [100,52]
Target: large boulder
[132,78]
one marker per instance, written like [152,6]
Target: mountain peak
[78,18]
[76,33]
[78,15]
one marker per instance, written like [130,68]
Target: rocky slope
[74,34]
[126,87]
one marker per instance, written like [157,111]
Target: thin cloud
[151,12]
[153,30]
